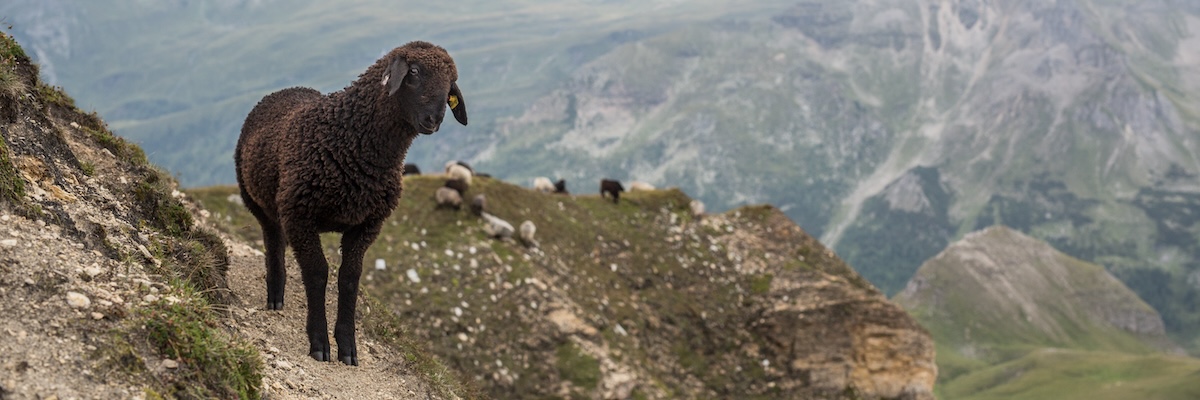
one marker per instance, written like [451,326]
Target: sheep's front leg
[354,245]
[314,271]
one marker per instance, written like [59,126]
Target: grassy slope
[629,265]
[1077,374]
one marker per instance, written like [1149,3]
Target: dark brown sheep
[411,169]
[478,203]
[560,187]
[459,185]
[611,187]
[308,163]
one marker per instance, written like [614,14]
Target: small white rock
[8,242]
[462,337]
[620,330]
[457,312]
[97,316]
[93,270]
[284,365]
[78,300]
[170,364]
[150,298]
[412,276]
[380,265]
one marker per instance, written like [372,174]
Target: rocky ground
[112,286]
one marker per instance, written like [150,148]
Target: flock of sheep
[309,163]
[458,179]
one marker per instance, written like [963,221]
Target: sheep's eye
[412,71]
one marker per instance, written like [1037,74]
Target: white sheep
[643,186]
[543,184]
[527,231]
[495,227]
[697,207]
[457,171]
[448,197]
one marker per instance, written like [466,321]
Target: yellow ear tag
[453,102]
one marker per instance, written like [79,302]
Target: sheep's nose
[434,119]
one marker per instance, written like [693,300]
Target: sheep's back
[257,153]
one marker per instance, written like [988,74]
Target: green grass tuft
[12,186]
[161,210]
[212,365]
[120,147]
[576,366]
[9,49]
[11,85]
[761,284]
[54,95]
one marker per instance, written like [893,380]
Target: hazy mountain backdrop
[888,128]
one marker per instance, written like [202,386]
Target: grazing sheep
[612,188]
[447,197]
[542,184]
[459,172]
[640,186]
[461,163]
[411,169]
[561,187]
[458,185]
[308,163]
[697,207]
[527,231]
[496,228]
[478,203]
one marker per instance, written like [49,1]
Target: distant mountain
[179,77]
[999,300]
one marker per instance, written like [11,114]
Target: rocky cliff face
[636,299]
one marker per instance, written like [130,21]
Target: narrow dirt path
[290,373]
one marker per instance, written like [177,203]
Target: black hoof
[350,360]
[320,355]
[274,305]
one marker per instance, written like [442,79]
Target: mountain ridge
[1014,317]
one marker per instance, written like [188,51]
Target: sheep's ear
[458,106]
[394,75]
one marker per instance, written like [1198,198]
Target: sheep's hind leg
[276,272]
[314,271]
[354,245]
[276,245]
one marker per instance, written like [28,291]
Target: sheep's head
[420,77]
